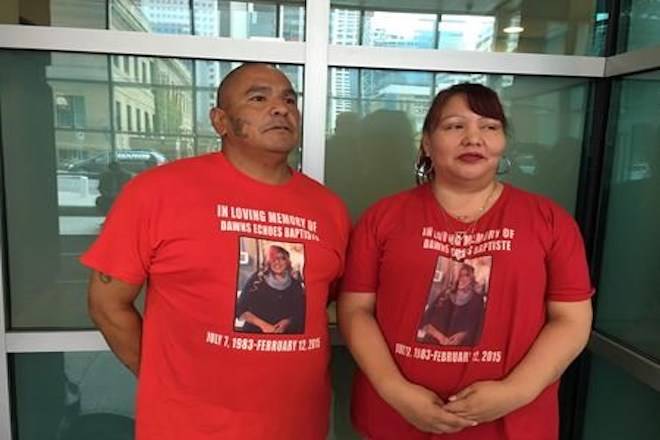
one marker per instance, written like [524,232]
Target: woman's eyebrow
[451,116]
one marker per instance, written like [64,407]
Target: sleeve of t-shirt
[124,247]
[568,273]
[363,256]
[344,231]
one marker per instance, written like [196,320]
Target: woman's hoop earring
[504,165]
[423,168]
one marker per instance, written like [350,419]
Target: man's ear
[219,121]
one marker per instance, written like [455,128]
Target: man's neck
[270,168]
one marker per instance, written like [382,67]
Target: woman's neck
[466,202]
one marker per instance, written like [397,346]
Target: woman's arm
[253,319]
[562,338]
[419,406]
[457,338]
[245,304]
[437,334]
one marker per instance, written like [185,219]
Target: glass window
[129,117]
[255,19]
[639,24]
[395,29]
[375,119]
[155,16]
[72,115]
[342,369]
[244,19]
[345,26]
[628,300]
[73,396]
[466,32]
[144,77]
[70,111]
[568,28]
[118,123]
[90,395]
[292,21]
[279,20]
[619,406]
[91,14]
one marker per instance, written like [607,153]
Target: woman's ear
[426,144]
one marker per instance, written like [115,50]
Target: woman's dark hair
[481,99]
[467,267]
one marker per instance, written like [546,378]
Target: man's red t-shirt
[480,288]
[196,231]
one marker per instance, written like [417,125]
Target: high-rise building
[343,83]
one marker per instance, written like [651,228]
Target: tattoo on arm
[105,279]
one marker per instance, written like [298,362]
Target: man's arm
[110,304]
[562,338]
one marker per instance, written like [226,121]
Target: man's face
[259,112]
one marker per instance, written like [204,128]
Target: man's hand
[424,409]
[486,401]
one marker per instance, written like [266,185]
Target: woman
[455,316]
[273,299]
[538,314]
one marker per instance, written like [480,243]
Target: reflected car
[133,161]
[526,163]
[640,171]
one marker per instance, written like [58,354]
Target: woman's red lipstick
[470,157]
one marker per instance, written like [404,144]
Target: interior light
[513,29]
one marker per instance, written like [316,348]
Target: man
[189,229]
[111,181]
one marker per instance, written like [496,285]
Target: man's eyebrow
[269,89]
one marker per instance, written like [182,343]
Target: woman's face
[464,278]
[464,146]
[278,261]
